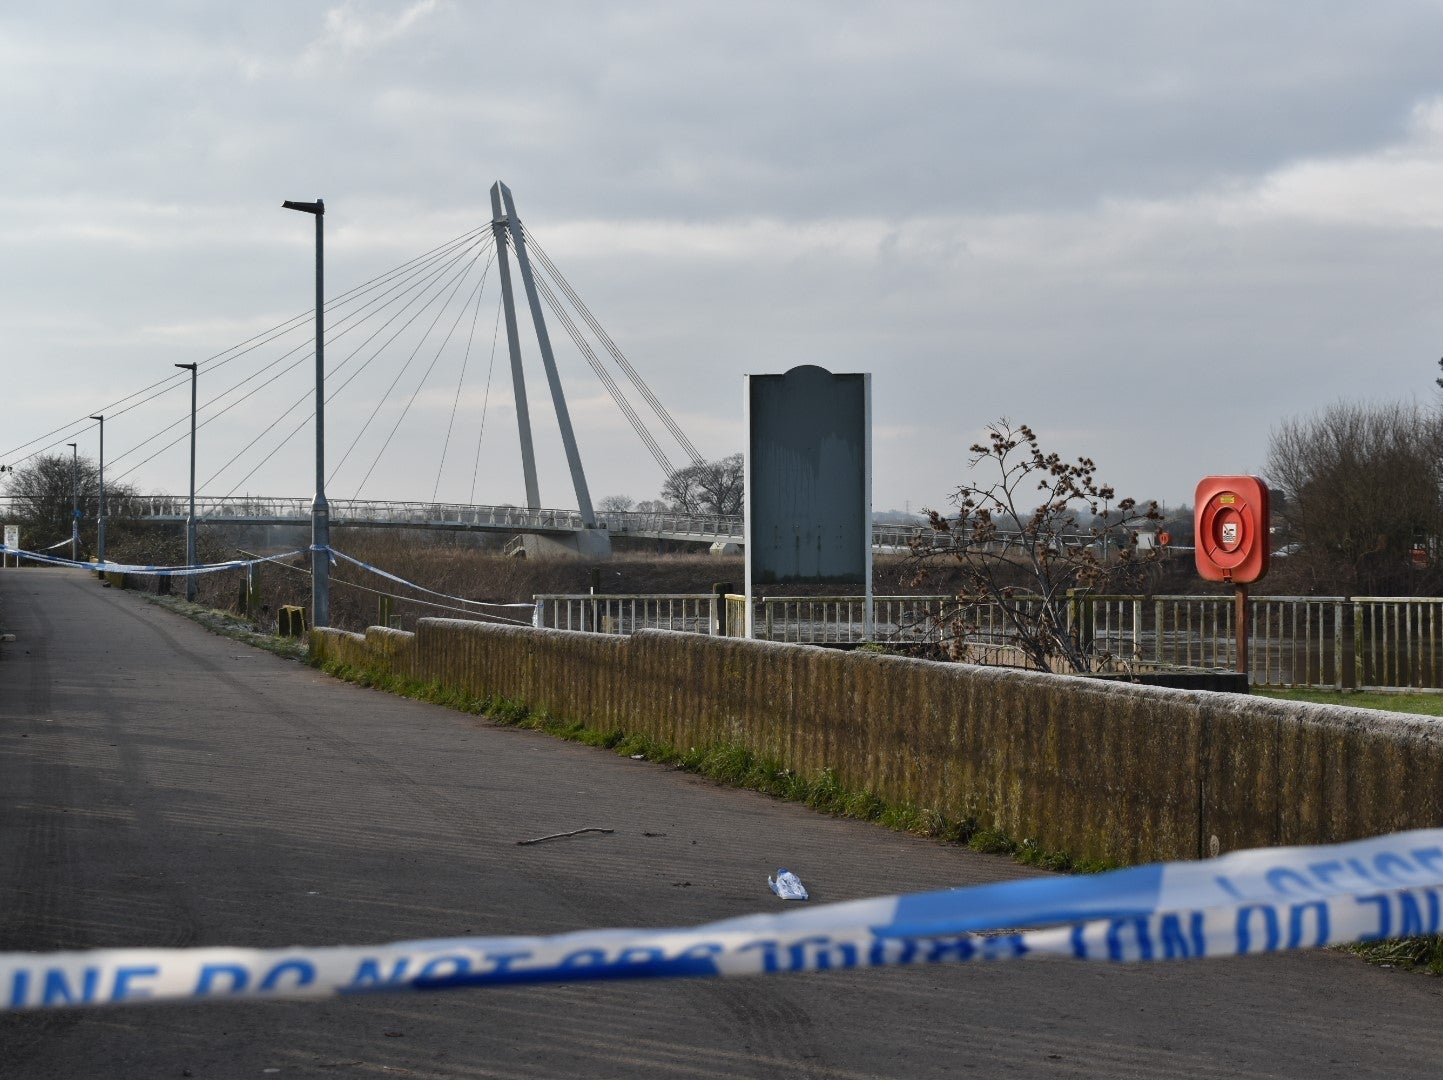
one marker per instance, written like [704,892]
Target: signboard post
[809,482]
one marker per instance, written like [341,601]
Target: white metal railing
[1396,642]
[692,612]
[838,619]
[1293,641]
[1323,642]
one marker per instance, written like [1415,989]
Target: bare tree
[1362,487]
[615,504]
[1024,565]
[42,494]
[710,487]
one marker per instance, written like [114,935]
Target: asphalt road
[161,786]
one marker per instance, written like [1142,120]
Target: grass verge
[1421,704]
[733,765]
[227,624]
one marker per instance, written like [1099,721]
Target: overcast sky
[1149,230]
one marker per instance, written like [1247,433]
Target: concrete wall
[1096,769]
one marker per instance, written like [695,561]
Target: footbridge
[466,517]
[401,348]
[444,516]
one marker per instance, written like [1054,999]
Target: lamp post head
[100,418]
[318,207]
[188,367]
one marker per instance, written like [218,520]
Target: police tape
[143,569]
[1248,902]
[432,592]
[236,564]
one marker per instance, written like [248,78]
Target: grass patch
[1422,704]
[1411,954]
[229,625]
[731,764]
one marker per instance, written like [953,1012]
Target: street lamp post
[320,510]
[74,502]
[190,519]
[100,521]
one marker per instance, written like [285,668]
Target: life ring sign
[1231,518]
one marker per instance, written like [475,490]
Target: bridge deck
[465,517]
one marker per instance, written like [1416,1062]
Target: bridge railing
[667,524]
[401,512]
[719,527]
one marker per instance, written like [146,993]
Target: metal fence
[839,619]
[1294,641]
[692,612]
[1396,642]
[1319,642]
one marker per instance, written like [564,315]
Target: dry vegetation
[449,565]
[454,565]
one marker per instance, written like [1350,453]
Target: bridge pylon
[504,224]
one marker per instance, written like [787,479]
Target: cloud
[1149,230]
[1398,187]
[350,32]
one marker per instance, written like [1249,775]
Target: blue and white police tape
[143,569]
[236,564]
[1248,902]
[431,592]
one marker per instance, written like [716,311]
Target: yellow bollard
[292,621]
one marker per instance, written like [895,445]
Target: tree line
[705,488]
[44,493]
[1358,498]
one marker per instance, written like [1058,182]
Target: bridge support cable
[218,413]
[445,295]
[420,286]
[548,359]
[475,295]
[423,285]
[513,345]
[616,354]
[161,386]
[356,318]
[226,356]
[411,268]
[486,401]
[456,401]
[584,347]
